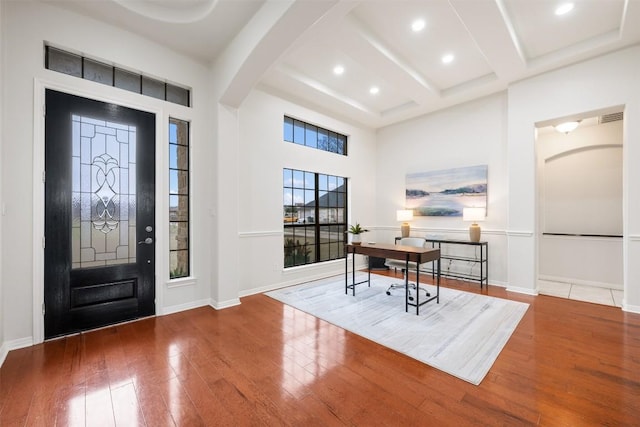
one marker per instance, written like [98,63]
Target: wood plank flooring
[568,363]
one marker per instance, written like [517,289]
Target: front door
[99,214]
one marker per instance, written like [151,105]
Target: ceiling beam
[261,43]
[490,27]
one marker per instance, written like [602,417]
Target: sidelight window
[178,199]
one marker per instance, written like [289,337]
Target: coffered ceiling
[490,44]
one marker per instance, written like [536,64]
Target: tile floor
[581,293]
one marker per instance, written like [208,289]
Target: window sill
[181,282]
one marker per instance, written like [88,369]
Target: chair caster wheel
[410,298]
[388,293]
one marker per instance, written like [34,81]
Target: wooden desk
[403,253]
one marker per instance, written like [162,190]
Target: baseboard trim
[498,283]
[581,282]
[267,288]
[183,307]
[525,291]
[630,308]
[3,353]
[320,274]
[224,304]
[7,346]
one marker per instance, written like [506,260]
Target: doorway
[580,181]
[99,214]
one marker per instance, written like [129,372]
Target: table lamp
[474,215]
[404,216]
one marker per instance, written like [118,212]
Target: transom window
[302,133]
[102,72]
[314,217]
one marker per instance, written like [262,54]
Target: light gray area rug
[463,335]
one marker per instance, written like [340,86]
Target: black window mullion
[316,228]
[334,203]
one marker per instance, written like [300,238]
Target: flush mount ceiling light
[374,90]
[567,127]
[564,9]
[448,58]
[418,25]
[338,70]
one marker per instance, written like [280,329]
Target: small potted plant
[356,230]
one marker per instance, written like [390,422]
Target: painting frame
[446,192]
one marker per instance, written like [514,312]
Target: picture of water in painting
[446,192]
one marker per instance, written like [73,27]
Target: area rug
[462,335]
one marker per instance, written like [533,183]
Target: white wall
[580,185]
[237,207]
[465,135]
[263,154]
[597,84]
[3,349]
[27,25]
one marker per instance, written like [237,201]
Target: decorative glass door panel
[103,193]
[99,254]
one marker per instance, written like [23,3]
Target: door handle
[147,241]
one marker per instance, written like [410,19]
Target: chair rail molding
[519,233]
[264,233]
[464,231]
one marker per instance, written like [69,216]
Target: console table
[403,253]
[482,260]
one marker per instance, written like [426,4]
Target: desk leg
[346,273]
[406,285]
[438,284]
[417,287]
[353,273]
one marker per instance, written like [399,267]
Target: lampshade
[404,215]
[567,127]
[473,214]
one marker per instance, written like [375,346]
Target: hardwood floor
[568,363]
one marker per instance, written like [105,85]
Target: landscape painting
[446,192]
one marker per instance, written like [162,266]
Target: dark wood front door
[99,214]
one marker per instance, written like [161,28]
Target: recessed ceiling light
[418,25]
[446,59]
[564,8]
[374,90]
[338,69]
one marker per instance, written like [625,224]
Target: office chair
[396,263]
